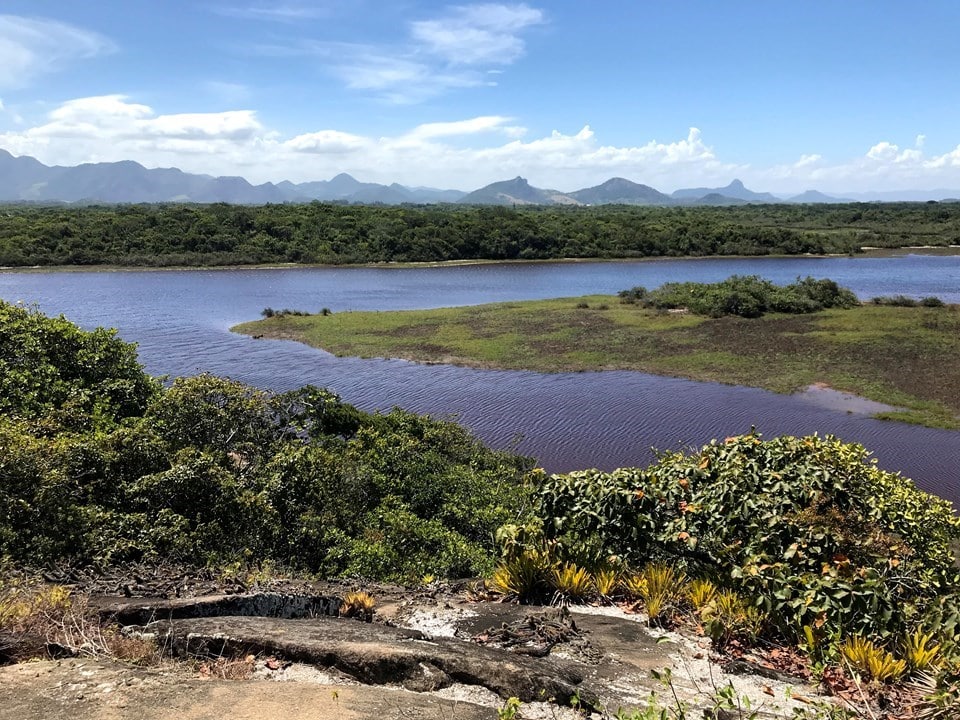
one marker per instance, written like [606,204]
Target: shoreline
[866,252]
[854,353]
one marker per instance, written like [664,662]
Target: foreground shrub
[808,528]
[101,464]
[38,620]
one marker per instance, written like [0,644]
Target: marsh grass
[901,356]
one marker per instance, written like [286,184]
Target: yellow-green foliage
[24,608]
[729,616]
[33,615]
[635,585]
[701,593]
[661,589]
[358,604]
[872,662]
[606,581]
[920,652]
[809,528]
[521,575]
[571,582]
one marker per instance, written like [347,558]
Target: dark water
[567,421]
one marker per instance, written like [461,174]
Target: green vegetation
[101,464]
[890,354]
[788,543]
[807,527]
[744,296]
[802,542]
[201,235]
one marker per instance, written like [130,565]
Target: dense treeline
[166,235]
[99,463]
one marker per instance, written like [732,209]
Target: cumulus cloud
[465,154]
[33,46]
[110,127]
[327,142]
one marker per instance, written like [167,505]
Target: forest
[317,233]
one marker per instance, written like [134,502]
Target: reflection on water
[567,420]
[824,396]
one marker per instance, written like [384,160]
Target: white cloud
[278,13]
[485,123]
[465,153]
[34,46]
[327,142]
[109,127]
[808,160]
[883,151]
[477,34]
[438,55]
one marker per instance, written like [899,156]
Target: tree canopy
[219,234]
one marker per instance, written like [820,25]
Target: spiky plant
[701,593]
[358,604]
[871,661]
[571,582]
[606,581]
[920,652]
[521,576]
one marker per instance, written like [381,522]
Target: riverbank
[891,355]
[864,252]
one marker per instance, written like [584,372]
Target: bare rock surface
[260,604]
[427,654]
[375,654]
[96,690]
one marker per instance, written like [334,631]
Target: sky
[837,95]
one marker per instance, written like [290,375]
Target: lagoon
[181,321]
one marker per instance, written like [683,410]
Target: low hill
[621,191]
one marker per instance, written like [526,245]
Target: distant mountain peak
[23,178]
[734,191]
[622,191]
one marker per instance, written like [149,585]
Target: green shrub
[895,301]
[806,526]
[101,464]
[744,296]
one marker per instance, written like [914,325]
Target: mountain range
[25,179]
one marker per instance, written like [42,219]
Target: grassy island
[901,356]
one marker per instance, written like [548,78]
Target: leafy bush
[746,296]
[59,377]
[269,312]
[895,301]
[806,527]
[100,463]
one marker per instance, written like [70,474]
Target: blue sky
[842,95]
